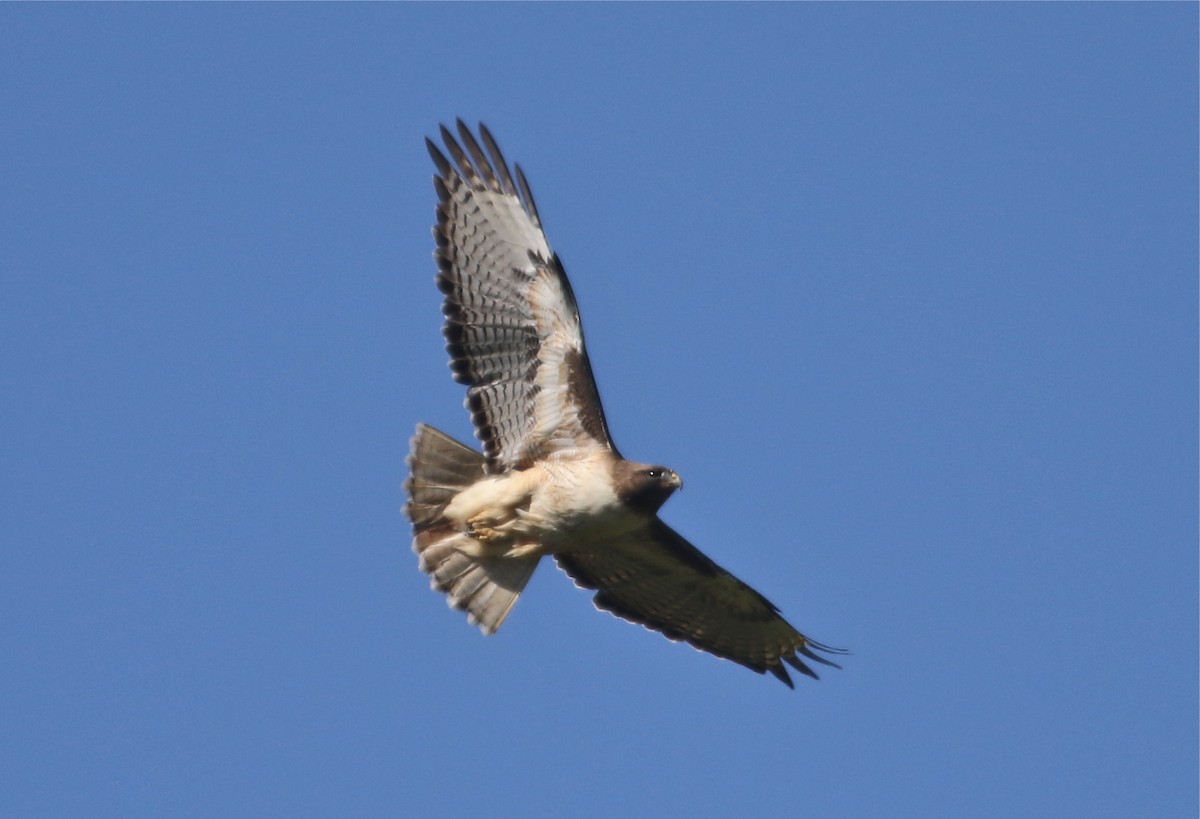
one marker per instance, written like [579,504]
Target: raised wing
[654,577]
[512,324]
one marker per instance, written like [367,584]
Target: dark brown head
[644,487]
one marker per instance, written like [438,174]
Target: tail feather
[485,587]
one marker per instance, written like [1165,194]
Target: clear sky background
[906,293]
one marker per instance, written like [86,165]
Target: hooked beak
[675,481]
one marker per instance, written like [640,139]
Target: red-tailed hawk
[550,480]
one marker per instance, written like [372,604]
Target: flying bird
[550,481]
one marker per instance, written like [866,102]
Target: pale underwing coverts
[550,480]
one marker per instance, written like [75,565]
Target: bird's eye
[654,473]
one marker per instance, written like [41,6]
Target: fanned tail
[485,587]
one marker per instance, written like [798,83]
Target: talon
[477,530]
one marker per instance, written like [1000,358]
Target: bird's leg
[481,527]
[525,550]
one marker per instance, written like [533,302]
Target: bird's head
[645,487]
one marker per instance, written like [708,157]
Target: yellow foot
[478,529]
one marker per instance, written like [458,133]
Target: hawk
[550,481]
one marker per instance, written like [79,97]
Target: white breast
[577,502]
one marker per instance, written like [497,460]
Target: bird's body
[552,504]
[550,481]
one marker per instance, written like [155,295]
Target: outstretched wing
[512,325]
[654,577]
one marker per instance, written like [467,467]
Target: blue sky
[906,293]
